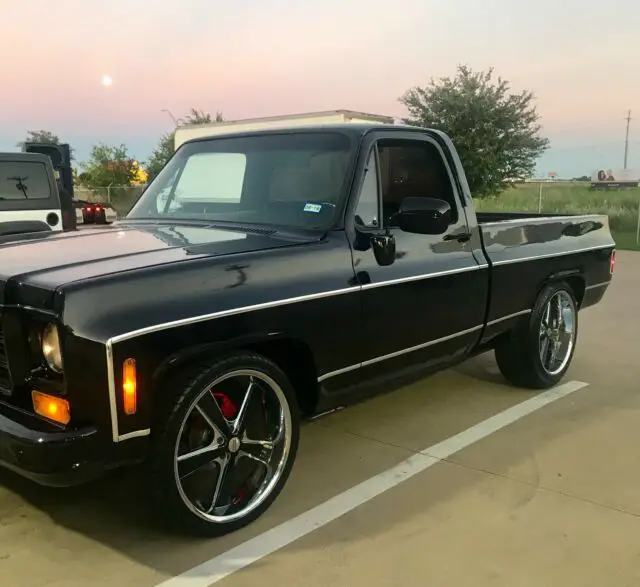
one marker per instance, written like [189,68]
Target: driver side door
[428,305]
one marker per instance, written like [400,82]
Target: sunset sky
[253,58]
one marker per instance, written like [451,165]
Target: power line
[626,139]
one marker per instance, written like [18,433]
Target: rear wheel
[224,447]
[539,350]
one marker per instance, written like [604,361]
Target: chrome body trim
[135,434]
[598,285]
[539,219]
[418,347]
[551,255]
[508,317]
[111,382]
[326,294]
[398,353]
[230,312]
[309,297]
[423,276]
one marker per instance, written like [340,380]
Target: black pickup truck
[263,278]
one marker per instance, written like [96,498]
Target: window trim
[346,190]
[172,192]
[370,140]
[373,149]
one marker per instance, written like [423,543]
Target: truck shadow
[107,510]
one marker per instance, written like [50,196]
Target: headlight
[51,347]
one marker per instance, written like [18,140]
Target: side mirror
[423,215]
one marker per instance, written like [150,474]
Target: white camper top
[186,133]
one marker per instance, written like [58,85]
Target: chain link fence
[559,197]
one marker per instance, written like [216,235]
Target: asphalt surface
[549,499]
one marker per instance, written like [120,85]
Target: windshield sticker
[315,208]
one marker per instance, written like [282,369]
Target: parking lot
[444,482]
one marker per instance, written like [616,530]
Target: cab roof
[350,128]
[25,158]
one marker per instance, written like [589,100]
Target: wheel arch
[575,280]
[292,354]
[518,355]
[579,286]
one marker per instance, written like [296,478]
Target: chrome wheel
[557,332]
[232,446]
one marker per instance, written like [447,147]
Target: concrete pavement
[551,499]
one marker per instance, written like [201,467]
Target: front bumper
[46,454]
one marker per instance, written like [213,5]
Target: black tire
[519,354]
[177,399]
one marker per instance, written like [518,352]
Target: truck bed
[541,234]
[523,250]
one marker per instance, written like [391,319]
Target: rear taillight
[612,262]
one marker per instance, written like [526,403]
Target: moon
[107,80]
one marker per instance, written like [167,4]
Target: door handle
[461,237]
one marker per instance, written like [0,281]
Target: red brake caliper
[229,411]
[227,407]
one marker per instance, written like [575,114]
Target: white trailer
[186,133]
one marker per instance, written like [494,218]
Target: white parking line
[264,544]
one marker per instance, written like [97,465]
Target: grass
[621,206]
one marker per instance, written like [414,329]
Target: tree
[161,154]
[196,116]
[42,136]
[109,165]
[495,132]
[165,148]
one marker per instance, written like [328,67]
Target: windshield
[294,180]
[20,180]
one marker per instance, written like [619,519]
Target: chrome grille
[5,375]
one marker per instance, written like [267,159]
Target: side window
[413,168]
[368,209]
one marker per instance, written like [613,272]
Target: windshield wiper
[223,224]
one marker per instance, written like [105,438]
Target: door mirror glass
[423,215]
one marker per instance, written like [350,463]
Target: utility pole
[626,139]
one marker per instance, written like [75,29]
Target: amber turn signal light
[612,262]
[51,407]
[129,387]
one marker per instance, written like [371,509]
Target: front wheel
[539,350]
[224,446]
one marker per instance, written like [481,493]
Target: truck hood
[49,260]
